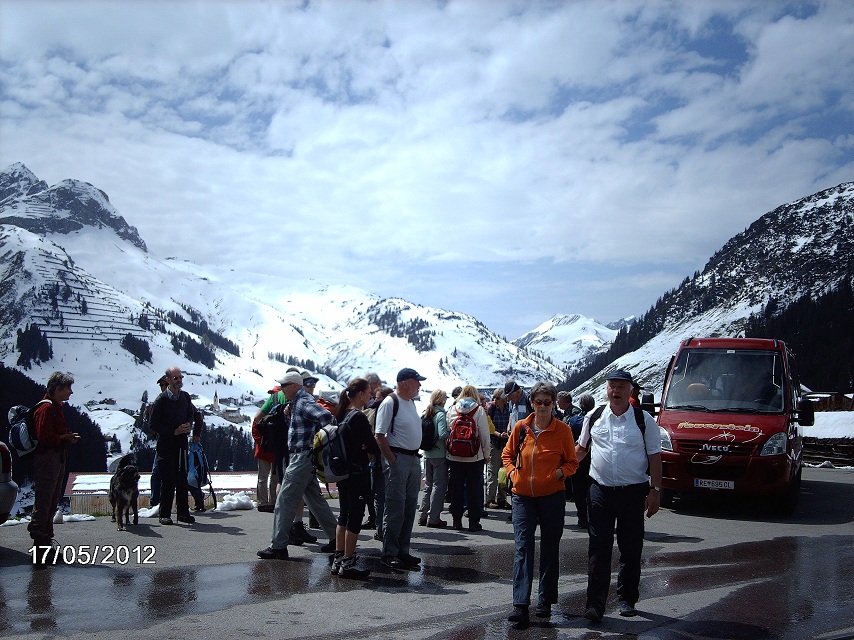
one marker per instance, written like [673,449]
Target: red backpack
[463,439]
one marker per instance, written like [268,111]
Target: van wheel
[667,498]
[785,504]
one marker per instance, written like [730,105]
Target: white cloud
[347,140]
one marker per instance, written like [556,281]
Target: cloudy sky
[512,160]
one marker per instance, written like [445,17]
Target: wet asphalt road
[712,569]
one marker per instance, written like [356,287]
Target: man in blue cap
[625,473]
[398,434]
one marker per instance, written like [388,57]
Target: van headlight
[666,443]
[775,446]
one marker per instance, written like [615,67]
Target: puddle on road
[803,582]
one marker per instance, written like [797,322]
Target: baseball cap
[510,387]
[620,374]
[292,377]
[409,374]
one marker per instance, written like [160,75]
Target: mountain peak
[567,338]
[67,207]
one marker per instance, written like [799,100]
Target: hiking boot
[294,538]
[186,518]
[409,560]
[520,618]
[518,613]
[627,610]
[351,571]
[337,559]
[273,554]
[298,530]
[392,562]
[166,521]
[593,614]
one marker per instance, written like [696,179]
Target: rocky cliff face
[71,205]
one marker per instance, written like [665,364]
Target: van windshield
[727,380]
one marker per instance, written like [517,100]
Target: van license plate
[714,484]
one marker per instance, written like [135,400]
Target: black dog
[124,495]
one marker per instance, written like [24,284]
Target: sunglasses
[542,403]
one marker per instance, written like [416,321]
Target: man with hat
[398,435]
[625,473]
[517,399]
[154,480]
[299,480]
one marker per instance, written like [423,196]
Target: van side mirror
[648,403]
[806,413]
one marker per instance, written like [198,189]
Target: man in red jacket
[49,461]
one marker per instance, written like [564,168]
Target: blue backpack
[22,431]
[198,472]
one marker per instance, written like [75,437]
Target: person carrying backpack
[624,445]
[435,464]
[269,461]
[51,431]
[468,448]
[538,457]
[361,447]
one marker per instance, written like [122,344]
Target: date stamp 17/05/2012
[86,554]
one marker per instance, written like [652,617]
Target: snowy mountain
[802,248]
[75,268]
[568,339]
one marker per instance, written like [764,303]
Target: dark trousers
[173,481]
[378,489]
[352,496]
[465,483]
[607,507]
[155,483]
[580,486]
[48,477]
[548,513]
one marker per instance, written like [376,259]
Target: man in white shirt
[625,474]
[398,435]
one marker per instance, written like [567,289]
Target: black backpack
[429,434]
[273,429]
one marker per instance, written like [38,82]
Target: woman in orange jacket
[538,457]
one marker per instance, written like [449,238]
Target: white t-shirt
[406,433]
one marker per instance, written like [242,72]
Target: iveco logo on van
[718,448]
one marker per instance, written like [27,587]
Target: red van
[729,419]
